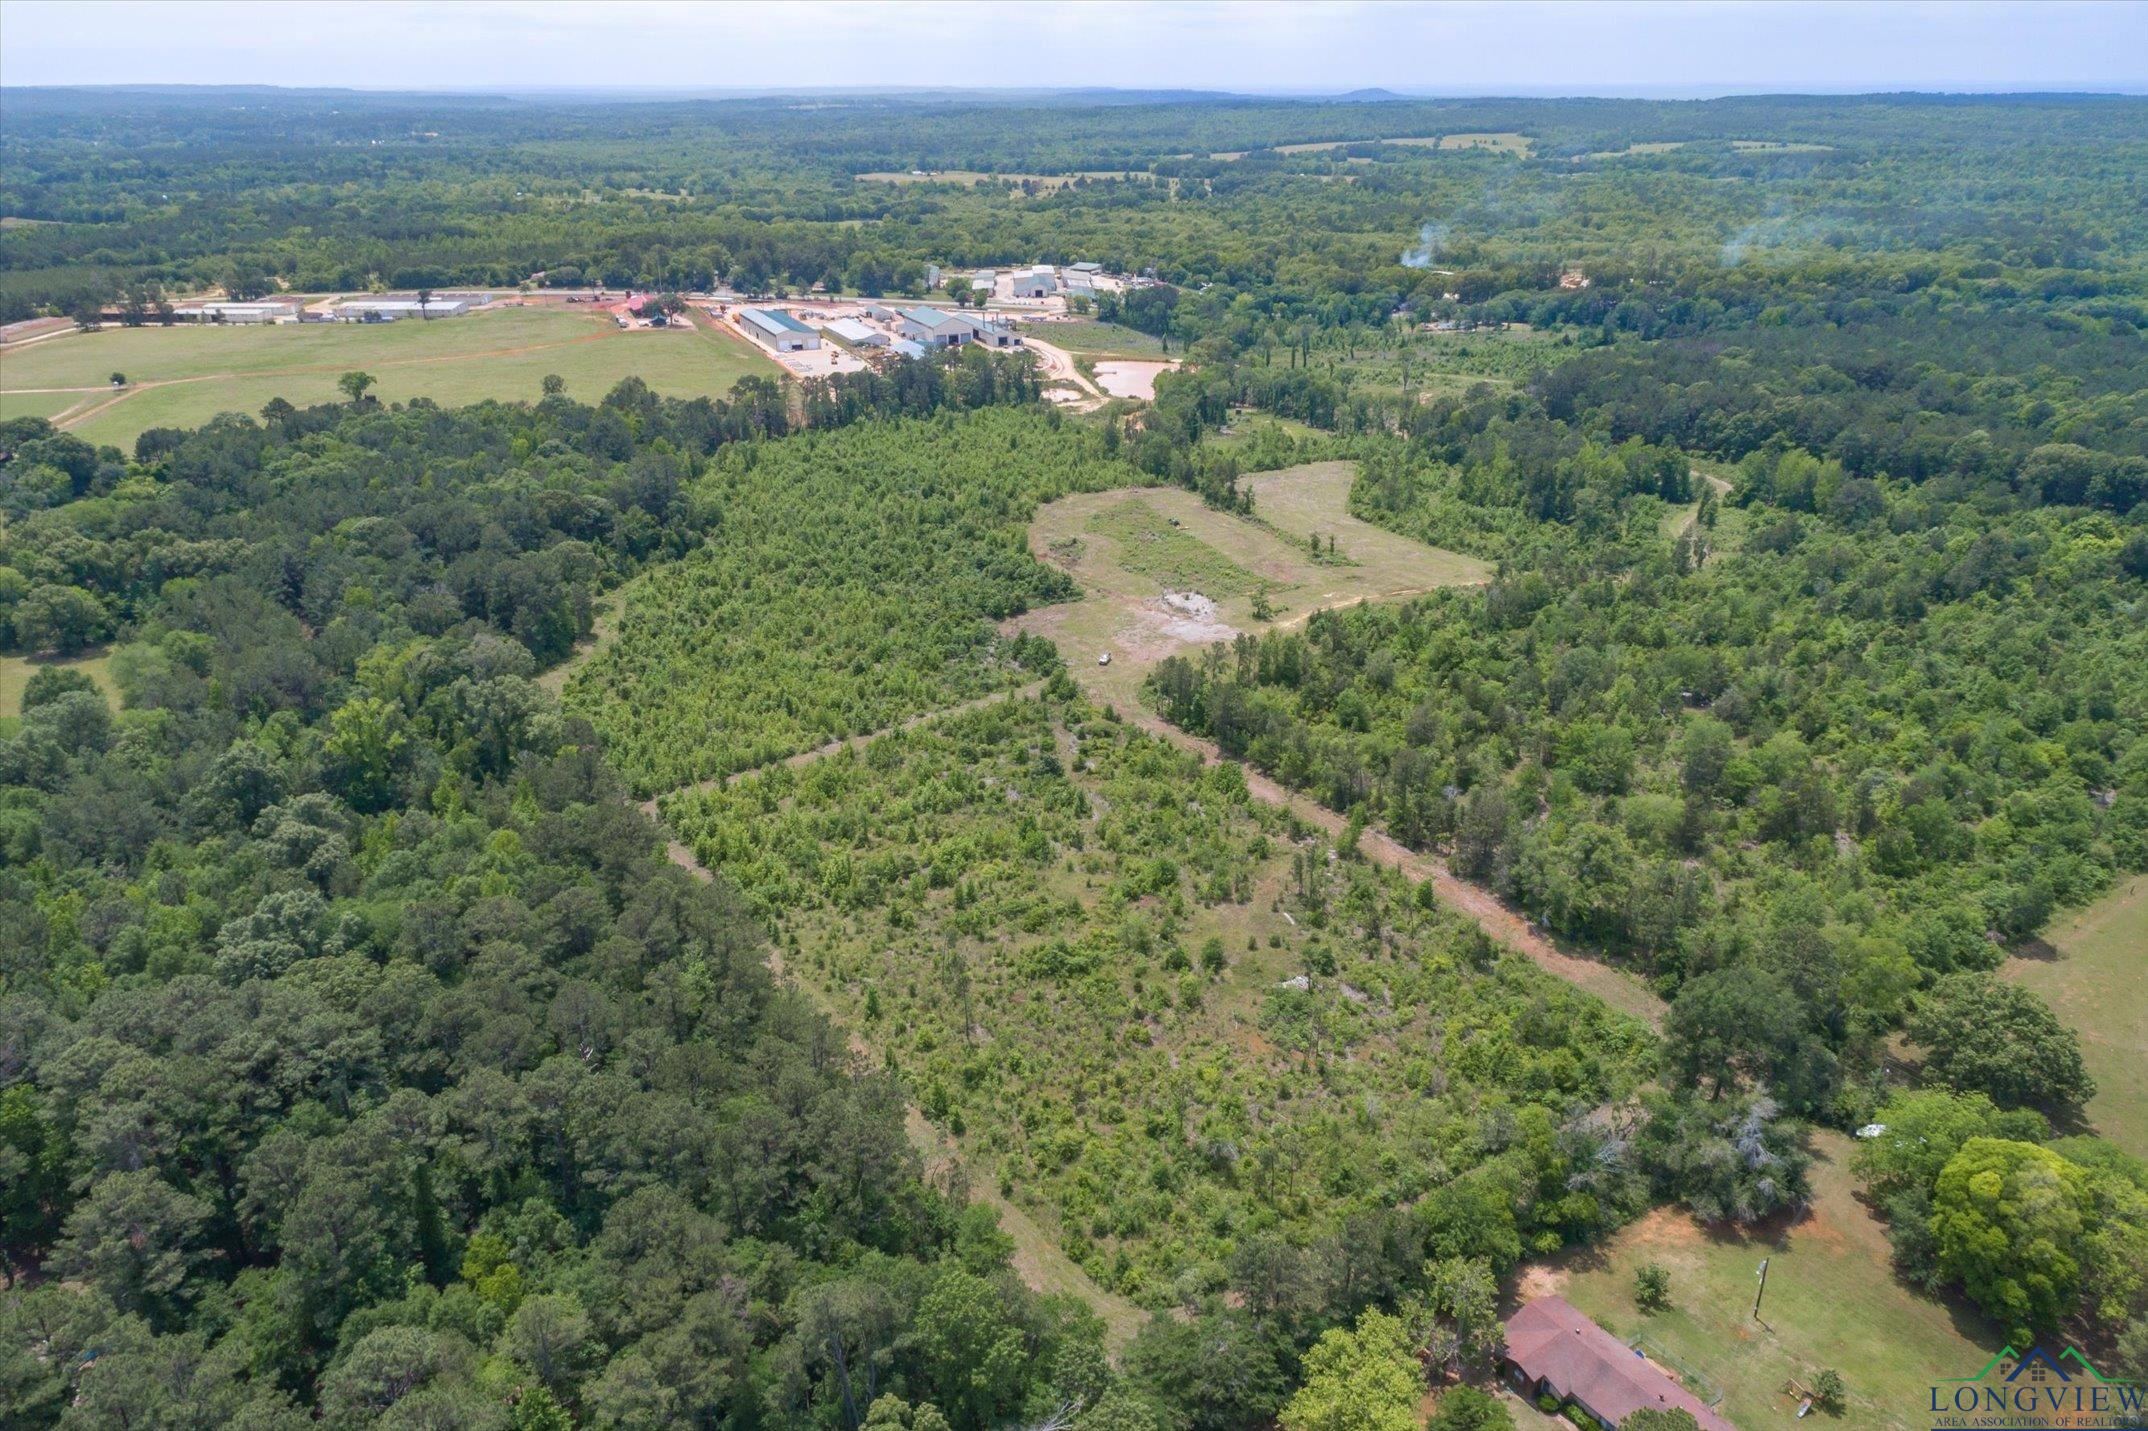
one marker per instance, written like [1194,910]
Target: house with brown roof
[1553,1349]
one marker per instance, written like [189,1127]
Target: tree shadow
[2035,947]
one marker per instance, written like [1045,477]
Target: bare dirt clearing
[1128,379]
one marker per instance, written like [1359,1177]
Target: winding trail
[848,742]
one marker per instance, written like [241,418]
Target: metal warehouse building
[776,330]
[857,335]
[933,327]
[385,310]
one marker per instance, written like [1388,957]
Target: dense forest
[368,1057]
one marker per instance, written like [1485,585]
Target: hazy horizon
[1622,48]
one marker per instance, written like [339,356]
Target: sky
[1464,47]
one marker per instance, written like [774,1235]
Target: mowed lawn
[2098,984]
[182,376]
[1832,1301]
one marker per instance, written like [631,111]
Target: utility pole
[1762,1289]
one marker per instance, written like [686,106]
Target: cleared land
[184,375]
[1504,142]
[2092,967]
[1831,1302]
[1125,614]
[1132,380]
[973,177]
[1097,339]
[15,673]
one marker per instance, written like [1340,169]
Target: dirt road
[1116,614]
[1614,986]
[1057,365]
[851,742]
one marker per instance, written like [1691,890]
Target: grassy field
[41,404]
[183,376]
[1120,612]
[1155,546]
[2096,977]
[1831,1302]
[1313,500]
[1097,339]
[1505,143]
[15,673]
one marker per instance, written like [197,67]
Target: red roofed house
[1553,1348]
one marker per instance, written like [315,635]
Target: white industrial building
[992,332]
[933,327]
[388,309]
[277,311]
[776,330]
[1037,282]
[856,334]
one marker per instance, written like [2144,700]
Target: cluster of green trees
[1797,783]
[363,1057]
[2047,403]
[2040,1232]
[849,579]
[1044,919]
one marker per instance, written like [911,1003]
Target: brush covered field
[848,580]
[1164,1019]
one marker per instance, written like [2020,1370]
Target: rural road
[1058,366]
